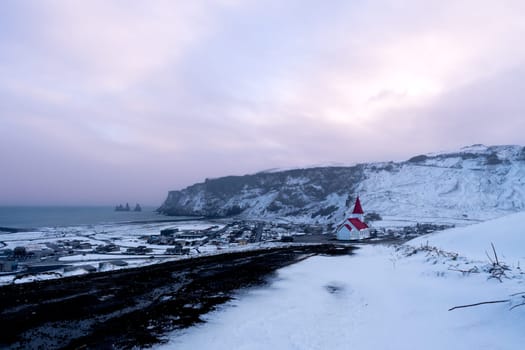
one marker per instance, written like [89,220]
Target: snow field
[379,298]
[507,233]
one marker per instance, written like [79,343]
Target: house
[177,250]
[141,249]
[107,248]
[8,266]
[169,232]
[354,227]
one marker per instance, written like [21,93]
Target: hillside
[506,233]
[474,183]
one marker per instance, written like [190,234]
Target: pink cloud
[170,92]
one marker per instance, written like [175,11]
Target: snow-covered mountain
[474,183]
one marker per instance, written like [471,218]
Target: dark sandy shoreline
[135,307]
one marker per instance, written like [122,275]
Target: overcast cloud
[108,101]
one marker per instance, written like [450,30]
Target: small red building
[354,227]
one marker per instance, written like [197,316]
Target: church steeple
[357,207]
[358,210]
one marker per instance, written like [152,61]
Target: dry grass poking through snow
[496,269]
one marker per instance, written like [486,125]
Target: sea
[25,217]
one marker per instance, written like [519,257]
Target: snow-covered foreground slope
[506,233]
[379,298]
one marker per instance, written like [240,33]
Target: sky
[108,101]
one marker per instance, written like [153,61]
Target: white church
[354,227]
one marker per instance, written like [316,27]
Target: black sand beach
[134,307]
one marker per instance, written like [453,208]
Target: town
[61,252]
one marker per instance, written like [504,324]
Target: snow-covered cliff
[476,182]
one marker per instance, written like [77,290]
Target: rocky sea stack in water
[126,207]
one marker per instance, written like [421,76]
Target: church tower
[358,212]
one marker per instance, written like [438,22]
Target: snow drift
[506,233]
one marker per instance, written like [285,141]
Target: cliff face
[477,182]
[301,194]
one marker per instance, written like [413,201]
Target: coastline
[35,217]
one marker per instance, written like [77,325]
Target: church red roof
[357,207]
[358,224]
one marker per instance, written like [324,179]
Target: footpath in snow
[381,298]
